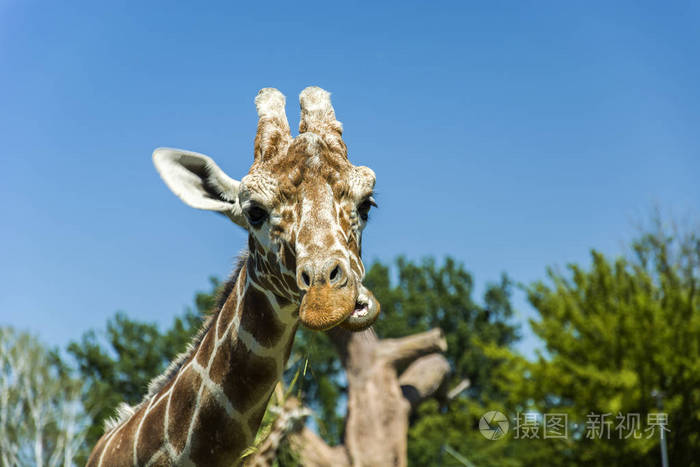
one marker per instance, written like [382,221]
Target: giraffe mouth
[365,312]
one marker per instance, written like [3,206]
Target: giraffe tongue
[361,310]
[364,313]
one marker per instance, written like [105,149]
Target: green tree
[430,295]
[118,364]
[622,337]
[42,421]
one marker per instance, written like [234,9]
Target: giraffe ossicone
[305,207]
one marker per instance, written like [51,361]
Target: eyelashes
[364,207]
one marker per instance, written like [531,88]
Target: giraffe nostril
[335,273]
[305,277]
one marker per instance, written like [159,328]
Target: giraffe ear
[199,182]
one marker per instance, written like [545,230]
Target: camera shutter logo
[493,425]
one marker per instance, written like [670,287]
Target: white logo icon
[493,425]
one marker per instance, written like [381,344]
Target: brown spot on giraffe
[248,370]
[220,365]
[206,346]
[151,433]
[183,401]
[228,312]
[119,448]
[218,440]
[255,417]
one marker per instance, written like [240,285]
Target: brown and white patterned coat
[304,206]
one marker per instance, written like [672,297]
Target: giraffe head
[303,203]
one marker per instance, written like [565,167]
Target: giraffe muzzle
[324,306]
[333,297]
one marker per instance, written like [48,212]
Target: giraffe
[304,206]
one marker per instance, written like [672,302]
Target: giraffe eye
[364,207]
[256,215]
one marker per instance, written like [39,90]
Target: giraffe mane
[125,411]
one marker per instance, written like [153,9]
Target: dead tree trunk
[380,400]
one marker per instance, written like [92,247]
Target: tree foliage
[118,364]
[622,337]
[42,421]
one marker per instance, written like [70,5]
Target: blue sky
[510,135]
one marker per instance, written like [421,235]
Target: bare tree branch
[376,425]
[423,378]
[411,347]
[457,390]
[314,452]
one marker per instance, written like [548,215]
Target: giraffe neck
[210,410]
